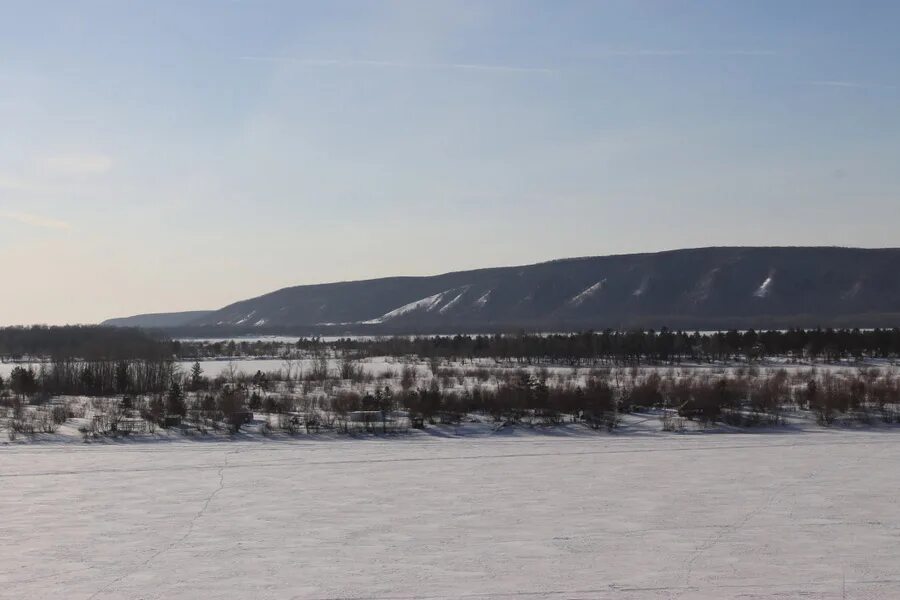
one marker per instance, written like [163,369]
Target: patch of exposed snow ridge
[428,304]
[587,293]
[425,304]
[645,283]
[480,302]
[852,292]
[701,292]
[245,319]
[764,289]
[455,301]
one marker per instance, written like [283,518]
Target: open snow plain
[812,514]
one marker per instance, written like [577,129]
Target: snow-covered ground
[554,515]
[377,365]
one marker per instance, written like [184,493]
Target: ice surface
[538,516]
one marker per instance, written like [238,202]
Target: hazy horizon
[167,156]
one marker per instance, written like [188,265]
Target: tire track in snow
[293,461]
[734,527]
[615,590]
[177,542]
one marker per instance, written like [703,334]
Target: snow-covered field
[377,365]
[770,515]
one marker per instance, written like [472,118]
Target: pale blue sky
[165,155]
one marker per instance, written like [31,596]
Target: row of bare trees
[743,399]
[162,396]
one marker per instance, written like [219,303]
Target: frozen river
[709,516]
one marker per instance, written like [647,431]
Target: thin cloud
[34,220]
[675,52]
[837,83]
[79,164]
[750,53]
[639,53]
[53,174]
[18,184]
[329,62]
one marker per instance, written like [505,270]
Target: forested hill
[697,288]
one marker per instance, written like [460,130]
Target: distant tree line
[92,378]
[614,347]
[85,342]
[102,344]
[629,347]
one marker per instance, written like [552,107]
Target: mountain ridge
[711,285]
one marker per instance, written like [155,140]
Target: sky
[172,155]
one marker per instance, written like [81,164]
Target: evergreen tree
[175,404]
[23,382]
[122,381]
[196,376]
